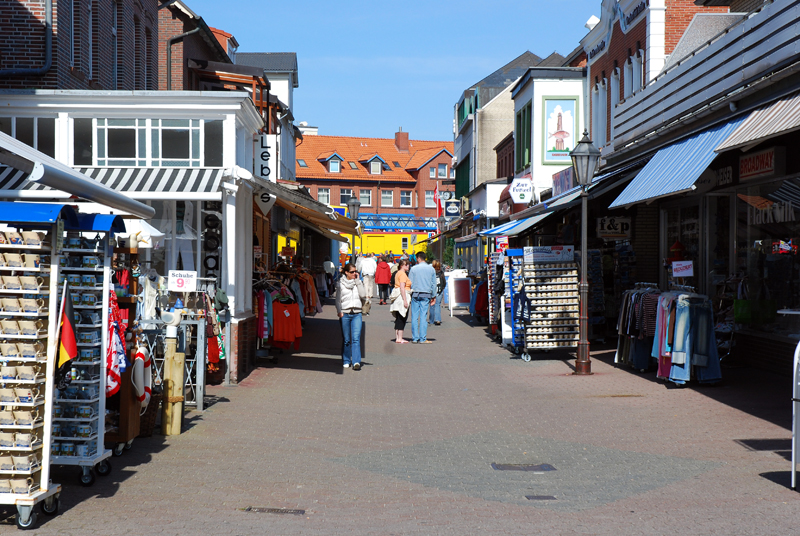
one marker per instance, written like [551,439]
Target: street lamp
[353,205]
[584,160]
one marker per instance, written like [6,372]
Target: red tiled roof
[360,149]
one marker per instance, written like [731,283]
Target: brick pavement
[405,446]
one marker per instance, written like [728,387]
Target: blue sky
[369,67]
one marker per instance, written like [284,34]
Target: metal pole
[583,366]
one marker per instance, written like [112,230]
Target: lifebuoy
[142,376]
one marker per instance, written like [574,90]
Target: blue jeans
[351,329]
[695,343]
[419,318]
[436,310]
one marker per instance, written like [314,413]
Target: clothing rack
[643,284]
[687,288]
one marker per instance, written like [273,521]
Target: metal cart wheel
[26,517]
[87,476]
[526,357]
[117,450]
[128,445]
[50,505]
[103,468]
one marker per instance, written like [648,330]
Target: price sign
[182,281]
[682,269]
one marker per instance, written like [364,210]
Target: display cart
[28,298]
[511,330]
[80,409]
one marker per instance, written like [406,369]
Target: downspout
[171,41]
[48,48]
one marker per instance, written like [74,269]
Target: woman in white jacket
[349,298]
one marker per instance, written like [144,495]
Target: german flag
[67,341]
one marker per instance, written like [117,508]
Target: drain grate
[540,497]
[542,467]
[273,510]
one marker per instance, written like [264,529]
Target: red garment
[383,275]
[288,328]
[213,350]
[482,300]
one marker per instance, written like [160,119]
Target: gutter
[171,41]
[48,48]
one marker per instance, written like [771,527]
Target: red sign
[757,165]
[287,252]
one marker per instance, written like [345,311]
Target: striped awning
[773,120]
[515,227]
[137,183]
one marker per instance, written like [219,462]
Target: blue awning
[30,213]
[513,228]
[97,222]
[676,168]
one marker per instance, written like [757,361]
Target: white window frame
[430,198]
[442,171]
[375,167]
[404,242]
[383,198]
[324,195]
[433,172]
[603,112]
[341,193]
[627,79]
[638,71]
[614,97]
[361,193]
[334,165]
[410,198]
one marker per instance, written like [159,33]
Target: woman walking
[435,316]
[349,299]
[383,274]
[399,299]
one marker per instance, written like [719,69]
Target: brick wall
[645,243]
[243,348]
[679,14]
[505,158]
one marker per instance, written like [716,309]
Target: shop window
[344,195]
[212,143]
[387,198]
[405,198]
[442,171]
[37,132]
[82,142]
[375,167]
[365,196]
[324,195]
[430,199]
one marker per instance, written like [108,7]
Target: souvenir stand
[495,269]
[511,330]
[30,239]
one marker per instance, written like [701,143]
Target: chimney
[401,140]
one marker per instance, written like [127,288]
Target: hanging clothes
[636,327]
[116,361]
[288,328]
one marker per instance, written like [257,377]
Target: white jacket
[350,294]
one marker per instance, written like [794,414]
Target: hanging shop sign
[521,190]
[563,181]
[182,281]
[781,212]
[265,201]
[767,163]
[614,228]
[501,242]
[683,269]
[266,156]
[452,208]
[287,252]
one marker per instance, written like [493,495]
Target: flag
[67,341]
[438,201]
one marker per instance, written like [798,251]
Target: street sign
[182,281]
[521,190]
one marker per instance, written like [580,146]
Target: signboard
[287,251]
[257,252]
[521,190]
[452,208]
[264,201]
[563,181]
[527,255]
[766,163]
[780,212]
[501,243]
[551,253]
[682,269]
[266,157]
[614,228]
[181,281]
[560,120]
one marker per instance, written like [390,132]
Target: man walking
[368,268]
[423,295]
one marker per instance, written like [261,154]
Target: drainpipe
[48,48]
[171,41]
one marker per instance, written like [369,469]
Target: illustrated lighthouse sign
[559,129]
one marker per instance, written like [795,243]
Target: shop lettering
[598,49]
[630,17]
[613,228]
[267,144]
[777,213]
[758,164]
[725,176]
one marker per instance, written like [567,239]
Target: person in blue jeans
[436,309]
[423,295]
[349,298]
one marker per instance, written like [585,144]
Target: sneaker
[357,366]
[347,365]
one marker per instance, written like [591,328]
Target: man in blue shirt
[423,295]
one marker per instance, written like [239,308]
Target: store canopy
[676,168]
[323,232]
[338,222]
[22,213]
[97,222]
[776,119]
[514,228]
[28,169]
[187,184]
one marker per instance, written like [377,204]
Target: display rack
[512,330]
[29,326]
[492,282]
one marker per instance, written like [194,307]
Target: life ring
[142,376]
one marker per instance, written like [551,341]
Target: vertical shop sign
[266,156]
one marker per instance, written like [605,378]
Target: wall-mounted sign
[598,49]
[766,163]
[682,269]
[266,157]
[287,251]
[560,125]
[725,176]
[614,228]
[625,19]
[265,201]
[452,208]
[781,212]
[521,190]
[551,253]
[563,181]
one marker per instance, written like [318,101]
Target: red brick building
[93,44]
[389,176]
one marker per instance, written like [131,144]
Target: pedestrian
[383,275]
[399,300]
[349,299]
[423,294]
[368,267]
[435,316]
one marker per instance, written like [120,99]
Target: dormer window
[375,167]
[334,165]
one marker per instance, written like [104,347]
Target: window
[522,137]
[353,165]
[599,113]
[432,172]
[614,97]
[405,198]
[375,167]
[442,171]
[334,166]
[324,195]
[627,79]
[396,164]
[212,144]
[301,162]
[387,198]
[37,132]
[452,173]
[430,200]
[83,145]
[344,195]
[404,243]
[365,196]
[638,71]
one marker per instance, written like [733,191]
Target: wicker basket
[147,422]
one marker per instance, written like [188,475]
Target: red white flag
[438,201]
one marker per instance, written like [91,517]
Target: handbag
[365,307]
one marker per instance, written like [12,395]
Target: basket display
[147,422]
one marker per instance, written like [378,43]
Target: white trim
[656,39]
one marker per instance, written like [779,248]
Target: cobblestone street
[406,446]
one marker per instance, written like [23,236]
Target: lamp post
[440,227]
[584,160]
[353,205]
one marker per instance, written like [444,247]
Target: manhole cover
[540,468]
[540,497]
[273,510]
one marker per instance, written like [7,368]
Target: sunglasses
[352,272]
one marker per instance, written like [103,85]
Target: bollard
[172,413]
